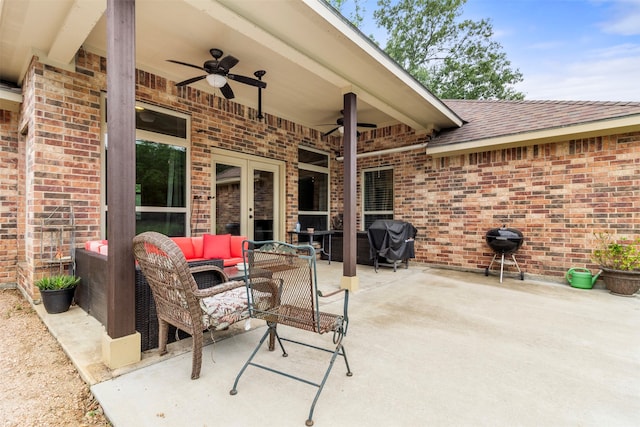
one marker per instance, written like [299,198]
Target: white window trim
[153,137]
[362,180]
[319,169]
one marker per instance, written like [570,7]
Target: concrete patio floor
[427,346]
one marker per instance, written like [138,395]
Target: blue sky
[566,49]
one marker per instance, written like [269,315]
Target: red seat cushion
[217,246]
[232,261]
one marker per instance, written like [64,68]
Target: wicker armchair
[293,270]
[178,300]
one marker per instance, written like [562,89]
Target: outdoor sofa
[91,266]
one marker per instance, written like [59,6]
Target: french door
[247,196]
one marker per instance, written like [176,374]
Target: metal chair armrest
[330,294]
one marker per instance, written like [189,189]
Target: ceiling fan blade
[367,125]
[227,91]
[191,80]
[228,62]
[331,131]
[185,64]
[247,80]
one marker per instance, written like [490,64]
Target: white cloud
[626,19]
[606,79]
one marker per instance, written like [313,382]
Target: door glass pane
[263,204]
[228,199]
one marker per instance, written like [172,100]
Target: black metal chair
[293,270]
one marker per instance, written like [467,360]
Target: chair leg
[272,338]
[197,355]
[270,332]
[163,336]
[346,362]
[338,351]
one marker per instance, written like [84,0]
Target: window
[162,171]
[377,195]
[313,189]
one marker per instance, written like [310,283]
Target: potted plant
[57,292]
[620,263]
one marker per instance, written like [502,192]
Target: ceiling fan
[340,126]
[218,73]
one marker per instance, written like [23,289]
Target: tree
[454,58]
[356,16]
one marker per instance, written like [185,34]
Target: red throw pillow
[217,246]
[198,247]
[184,243]
[236,246]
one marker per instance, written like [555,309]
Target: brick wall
[8,196]
[556,194]
[62,157]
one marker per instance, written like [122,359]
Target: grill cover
[391,239]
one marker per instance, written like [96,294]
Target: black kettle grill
[504,241]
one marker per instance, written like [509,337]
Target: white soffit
[313,30]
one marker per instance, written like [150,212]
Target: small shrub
[616,255]
[60,281]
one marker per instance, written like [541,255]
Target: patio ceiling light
[216,80]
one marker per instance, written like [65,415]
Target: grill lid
[504,240]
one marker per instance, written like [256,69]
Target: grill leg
[513,257]
[501,267]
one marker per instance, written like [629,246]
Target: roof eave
[10,100]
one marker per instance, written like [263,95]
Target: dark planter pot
[57,301]
[619,282]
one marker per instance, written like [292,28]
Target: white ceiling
[312,56]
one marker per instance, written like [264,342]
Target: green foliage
[356,16]
[455,59]
[623,255]
[59,281]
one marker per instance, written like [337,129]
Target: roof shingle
[490,119]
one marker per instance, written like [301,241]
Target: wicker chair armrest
[210,268]
[265,284]
[218,289]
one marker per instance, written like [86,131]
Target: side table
[322,233]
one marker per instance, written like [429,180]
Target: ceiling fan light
[216,80]
[341,130]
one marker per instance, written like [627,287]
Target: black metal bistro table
[323,233]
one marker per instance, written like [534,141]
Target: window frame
[366,212]
[321,170]
[153,137]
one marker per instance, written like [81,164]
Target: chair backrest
[293,268]
[167,272]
